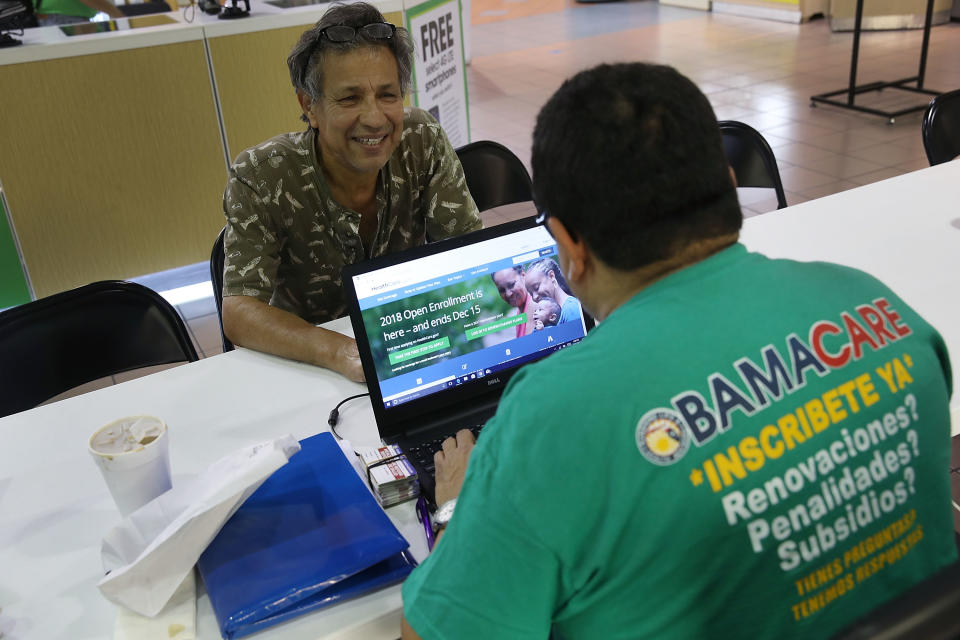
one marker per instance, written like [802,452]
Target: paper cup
[133,454]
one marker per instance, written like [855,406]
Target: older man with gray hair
[366,178]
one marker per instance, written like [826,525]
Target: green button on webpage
[420,350]
[493,327]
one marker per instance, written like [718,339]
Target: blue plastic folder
[310,536]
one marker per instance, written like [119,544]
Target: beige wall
[256,98]
[112,163]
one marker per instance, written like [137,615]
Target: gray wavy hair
[306,57]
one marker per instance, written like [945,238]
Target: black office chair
[751,158]
[56,343]
[941,128]
[929,610]
[495,176]
[216,279]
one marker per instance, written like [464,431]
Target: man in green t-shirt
[743,448]
[367,178]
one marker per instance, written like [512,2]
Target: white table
[54,506]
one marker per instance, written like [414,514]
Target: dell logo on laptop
[492,381]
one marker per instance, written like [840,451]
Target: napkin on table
[177,621]
[150,553]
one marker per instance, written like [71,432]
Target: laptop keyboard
[423,453]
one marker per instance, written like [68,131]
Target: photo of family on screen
[539,290]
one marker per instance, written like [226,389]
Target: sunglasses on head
[344,33]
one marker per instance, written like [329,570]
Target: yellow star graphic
[696,477]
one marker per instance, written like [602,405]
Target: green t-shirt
[748,448]
[65,8]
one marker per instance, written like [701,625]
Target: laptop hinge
[441,421]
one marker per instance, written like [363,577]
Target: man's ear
[571,250]
[305,103]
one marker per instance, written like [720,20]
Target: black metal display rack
[853,90]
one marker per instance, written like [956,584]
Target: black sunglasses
[344,33]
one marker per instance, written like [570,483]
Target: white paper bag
[149,553]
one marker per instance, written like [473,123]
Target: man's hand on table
[451,462]
[254,324]
[348,360]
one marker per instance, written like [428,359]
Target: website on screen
[451,318]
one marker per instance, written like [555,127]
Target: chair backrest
[495,176]
[929,610]
[941,128]
[752,158]
[216,279]
[56,343]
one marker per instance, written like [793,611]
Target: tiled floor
[760,72]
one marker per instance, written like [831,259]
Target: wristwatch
[443,514]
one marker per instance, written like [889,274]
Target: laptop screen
[461,313]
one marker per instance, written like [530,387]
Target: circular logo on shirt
[662,437]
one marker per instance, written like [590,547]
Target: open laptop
[437,341]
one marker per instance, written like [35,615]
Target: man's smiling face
[359,117]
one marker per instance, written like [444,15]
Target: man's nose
[372,114]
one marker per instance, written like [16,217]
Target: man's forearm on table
[253,324]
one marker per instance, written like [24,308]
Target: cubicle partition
[110,159]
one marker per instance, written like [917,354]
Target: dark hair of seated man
[657,172]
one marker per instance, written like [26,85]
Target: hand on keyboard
[423,453]
[451,462]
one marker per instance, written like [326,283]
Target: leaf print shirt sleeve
[251,241]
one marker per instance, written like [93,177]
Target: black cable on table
[335,414]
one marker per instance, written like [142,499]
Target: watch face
[445,512]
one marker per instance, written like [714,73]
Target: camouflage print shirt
[286,238]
